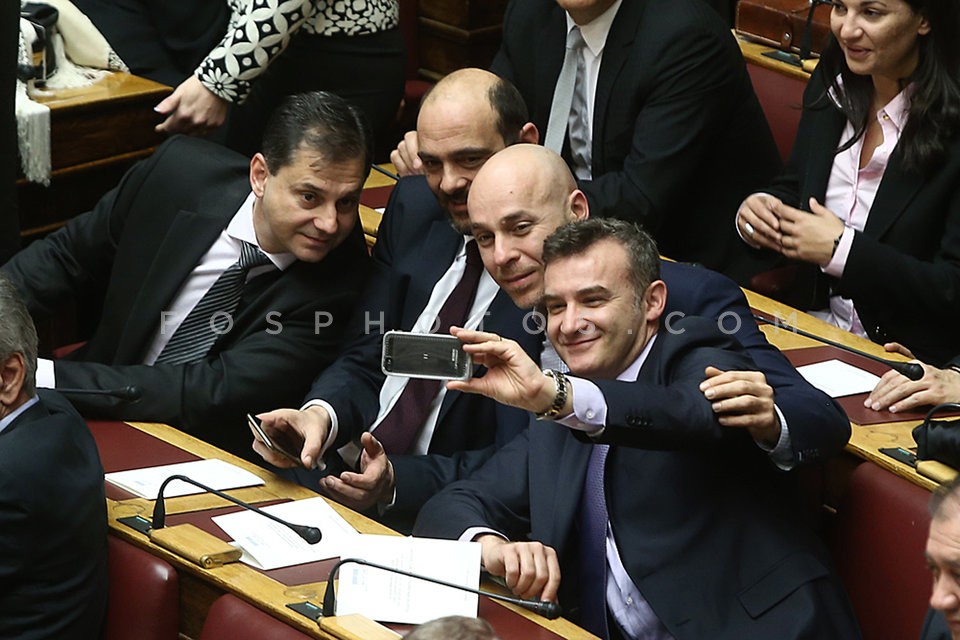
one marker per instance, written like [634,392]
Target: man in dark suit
[663,523]
[526,192]
[672,135]
[228,281]
[943,557]
[53,520]
[419,258]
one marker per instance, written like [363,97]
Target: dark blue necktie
[593,546]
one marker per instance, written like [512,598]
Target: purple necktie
[593,546]
[399,428]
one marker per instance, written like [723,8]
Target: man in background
[53,519]
[228,280]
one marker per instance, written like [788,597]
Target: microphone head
[312,535]
[911,370]
[549,610]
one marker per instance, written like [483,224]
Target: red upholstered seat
[230,618]
[780,98]
[878,548]
[144,597]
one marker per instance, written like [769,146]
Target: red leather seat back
[878,548]
[230,618]
[144,600]
[780,98]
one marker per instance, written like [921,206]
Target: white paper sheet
[838,379]
[388,597]
[270,545]
[214,473]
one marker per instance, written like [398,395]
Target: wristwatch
[560,399]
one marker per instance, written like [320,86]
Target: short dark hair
[321,121]
[946,493]
[576,237]
[17,333]
[453,628]
[509,108]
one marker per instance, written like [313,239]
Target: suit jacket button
[634,421]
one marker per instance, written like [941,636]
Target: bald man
[524,193]
[420,257]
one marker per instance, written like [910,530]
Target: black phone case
[425,355]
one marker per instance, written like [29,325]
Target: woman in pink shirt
[869,204]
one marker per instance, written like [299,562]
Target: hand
[310,426]
[808,236]
[757,214]
[512,377]
[406,156]
[896,347]
[896,392]
[743,399]
[191,109]
[530,569]
[373,485]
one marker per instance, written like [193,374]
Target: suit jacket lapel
[563,498]
[189,236]
[896,191]
[819,165]
[553,44]
[615,53]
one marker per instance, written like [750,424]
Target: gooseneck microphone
[549,610]
[312,535]
[911,370]
[129,393]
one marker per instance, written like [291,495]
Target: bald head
[467,117]
[519,197]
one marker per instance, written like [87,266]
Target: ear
[258,174]
[924,27]
[578,205]
[529,134]
[655,299]
[12,373]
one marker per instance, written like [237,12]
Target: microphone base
[195,545]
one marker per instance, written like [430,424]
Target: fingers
[531,570]
[896,347]
[311,426]
[897,393]
[374,483]
[758,223]
[192,109]
[406,156]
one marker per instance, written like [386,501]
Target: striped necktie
[200,329]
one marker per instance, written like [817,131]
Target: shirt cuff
[589,407]
[781,453]
[46,376]
[334,428]
[839,260]
[475,532]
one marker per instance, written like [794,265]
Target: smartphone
[903,455]
[425,355]
[276,447]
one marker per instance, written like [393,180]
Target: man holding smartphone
[427,277]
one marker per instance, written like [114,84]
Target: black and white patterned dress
[260,30]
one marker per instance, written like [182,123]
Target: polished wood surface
[96,134]
[867,440]
[753,53]
[200,587]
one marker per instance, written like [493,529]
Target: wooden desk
[865,440]
[96,134]
[200,587]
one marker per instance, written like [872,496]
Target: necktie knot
[473,255]
[251,256]
[575,39]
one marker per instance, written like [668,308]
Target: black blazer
[141,242]
[699,513]
[903,271]
[679,138]
[53,526]
[415,246]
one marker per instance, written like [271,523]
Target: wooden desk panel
[200,587]
[865,441]
[96,134]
